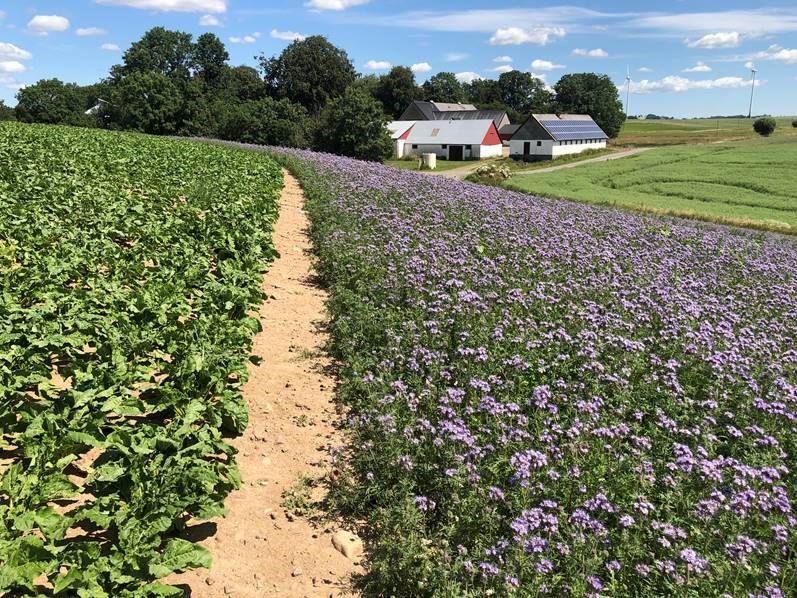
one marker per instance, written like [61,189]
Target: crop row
[128,269]
[549,398]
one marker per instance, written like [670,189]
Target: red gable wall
[492,137]
[406,133]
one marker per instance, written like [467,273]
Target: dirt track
[263,548]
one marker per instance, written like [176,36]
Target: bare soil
[267,545]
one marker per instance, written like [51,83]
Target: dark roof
[420,110]
[509,129]
[493,115]
[560,127]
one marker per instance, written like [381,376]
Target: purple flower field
[553,398]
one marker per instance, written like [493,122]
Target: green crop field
[698,130]
[128,268]
[750,183]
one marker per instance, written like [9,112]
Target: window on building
[469,147]
[444,146]
[539,144]
[414,146]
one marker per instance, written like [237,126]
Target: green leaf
[179,556]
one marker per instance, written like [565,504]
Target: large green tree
[444,87]
[148,101]
[396,90]
[242,83]
[160,50]
[267,122]
[524,93]
[52,101]
[483,92]
[210,59]
[354,125]
[6,112]
[596,95]
[309,72]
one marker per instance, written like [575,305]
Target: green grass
[750,183]
[699,130]
[519,166]
[441,164]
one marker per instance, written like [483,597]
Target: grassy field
[750,183]
[699,130]
[441,164]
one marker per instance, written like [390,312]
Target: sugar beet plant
[555,399]
[128,269]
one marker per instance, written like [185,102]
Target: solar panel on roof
[565,130]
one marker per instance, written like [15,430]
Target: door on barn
[456,152]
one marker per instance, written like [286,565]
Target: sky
[685,57]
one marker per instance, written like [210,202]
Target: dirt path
[606,158]
[262,548]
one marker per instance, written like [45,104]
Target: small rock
[273,516]
[296,572]
[347,543]
[227,591]
[209,581]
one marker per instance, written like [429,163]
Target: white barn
[549,136]
[448,139]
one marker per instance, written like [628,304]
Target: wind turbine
[753,71]
[627,89]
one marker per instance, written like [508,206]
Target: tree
[794,123]
[149,102]
[267,122]
[596,95]
[242,83]
[160,50]
[354,125]
[523,93]
[397,90]
[444,87]
[765,126]
[367,84]
[6,112]
[309,72]
[210,58]
[483,92]
[52,101]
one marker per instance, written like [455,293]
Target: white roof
[398,127]
[455,132]
[449,107]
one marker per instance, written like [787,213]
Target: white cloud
[456,56]
[502,59]
[110,47]
[287,35]
[749,64]
[334,4]
[778,53]
[12,66]
[514,36]
[726,39]
[596,53]
[504,68]
[246,39]
[9,82]
[600,27]
[467,77]
[210,21]
[11,52]
[421,67]
[85,31]
[206,6]
[2,14]
[746,22]
[45,24]
[545,65]
[677,84]
[645,69]
[700,67]
[378,65]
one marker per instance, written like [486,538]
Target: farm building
[548,136]
[448,139]
[419,110]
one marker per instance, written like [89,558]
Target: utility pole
[752,89]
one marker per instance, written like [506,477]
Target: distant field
[750,183]
[704,130]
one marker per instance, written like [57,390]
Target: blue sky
[686,58]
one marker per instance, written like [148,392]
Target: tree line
[309,96]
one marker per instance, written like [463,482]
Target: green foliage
[160,50]
[266,122]
[397,90]
[52,101]
[130,266]
[765,126]
[309,72]
[523,93]
[147,101]
[444,87]
[210,59]
[489,174]
[794,123]
[483,92]
[354,125]
[6,112]
[592,94]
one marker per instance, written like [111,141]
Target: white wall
[563,149]
[552,149]
[398,148]
[487,151]
[545,149]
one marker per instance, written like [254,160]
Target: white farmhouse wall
[553,149]
[476,152]
[563,149]
[544,149]
[487,151]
